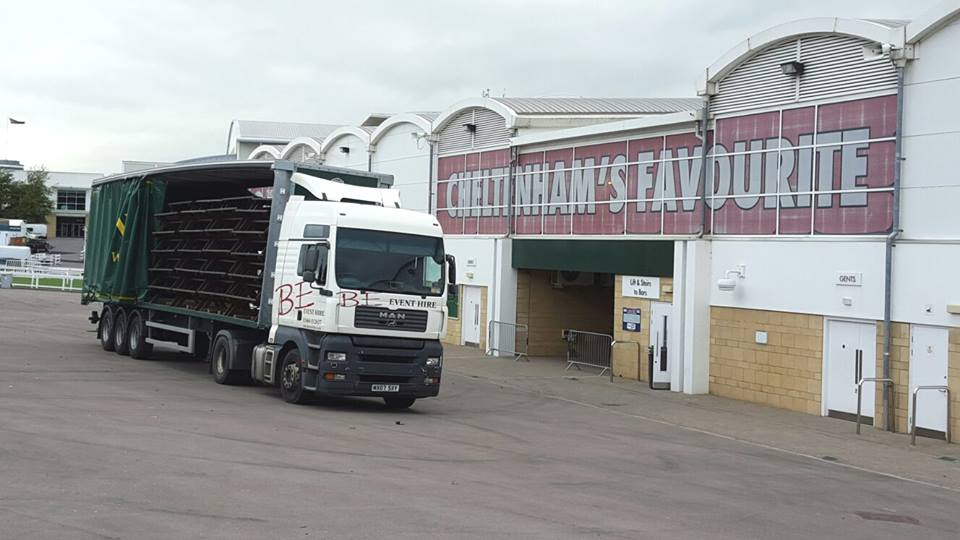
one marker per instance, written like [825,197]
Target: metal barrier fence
[508,338]
[43,277]
[589,349]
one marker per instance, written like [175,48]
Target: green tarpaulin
[119,238]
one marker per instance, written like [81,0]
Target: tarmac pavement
[97,445]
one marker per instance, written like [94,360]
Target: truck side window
[313,258]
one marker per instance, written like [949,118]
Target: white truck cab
[365,284]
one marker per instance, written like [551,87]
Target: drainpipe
[888,254]
[432,144]
[704,122]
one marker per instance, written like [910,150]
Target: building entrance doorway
[660,331]
[928,367]
[851,355]
[70,227]
[470,316]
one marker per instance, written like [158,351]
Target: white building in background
[740,240]
[70,193]
[401,146]
[253,139]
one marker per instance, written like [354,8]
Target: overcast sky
[98,82]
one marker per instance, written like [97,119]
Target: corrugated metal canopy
[575,105]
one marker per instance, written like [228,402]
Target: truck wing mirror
[451,269]
[309,261]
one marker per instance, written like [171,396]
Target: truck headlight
[336,357]
[433,362]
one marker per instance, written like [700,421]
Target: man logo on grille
[391,318]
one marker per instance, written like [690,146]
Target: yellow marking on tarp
[120,226]
[115,256]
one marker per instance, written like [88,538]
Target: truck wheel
[291,378]
[399,402]
[120,343]
[137,332]
[221,359]
[106,328]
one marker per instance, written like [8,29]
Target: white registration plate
[385,388]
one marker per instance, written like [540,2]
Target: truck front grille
[405,320]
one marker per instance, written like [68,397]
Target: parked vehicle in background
[14,254]
[309,279]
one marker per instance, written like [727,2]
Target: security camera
[726,284]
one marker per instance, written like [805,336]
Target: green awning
[629,257]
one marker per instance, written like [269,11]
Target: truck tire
[106,328]
[120,343]
[398,403]
[137,336]
[221,357]
[291,378]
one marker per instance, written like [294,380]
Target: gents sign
[797,171]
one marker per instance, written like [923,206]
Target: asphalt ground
[97,445]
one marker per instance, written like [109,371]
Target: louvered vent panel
[834,66]
[758,82]
[491,129]
[454,137]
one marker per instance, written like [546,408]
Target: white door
[470,316]
[928,367]
[659,338]
[851,355]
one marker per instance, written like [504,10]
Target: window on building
[71,199]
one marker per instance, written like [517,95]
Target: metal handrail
[860,393]
[613,344]
[913,427]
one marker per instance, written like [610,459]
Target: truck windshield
[389,262]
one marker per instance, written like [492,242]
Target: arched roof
[875,31]
[299,142]
[416,119]
[932,20]
[265,149]
[452,111]
[338,133]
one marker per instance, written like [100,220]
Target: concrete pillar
[691,317]
[502,295]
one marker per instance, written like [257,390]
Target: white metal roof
[601,106]
[257,130]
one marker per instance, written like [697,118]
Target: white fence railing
[42,277]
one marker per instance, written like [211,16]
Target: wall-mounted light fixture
[728,283]
[792,68]
[470,127]
[344,149]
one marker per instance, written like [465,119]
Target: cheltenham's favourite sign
[805,170]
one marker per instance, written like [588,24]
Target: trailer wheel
[137,340]
[121,345]
[221,359]
[399,402]
[291,377]
[106,328]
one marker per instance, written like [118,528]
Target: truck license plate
[385,388]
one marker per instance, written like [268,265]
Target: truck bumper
[380,367]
